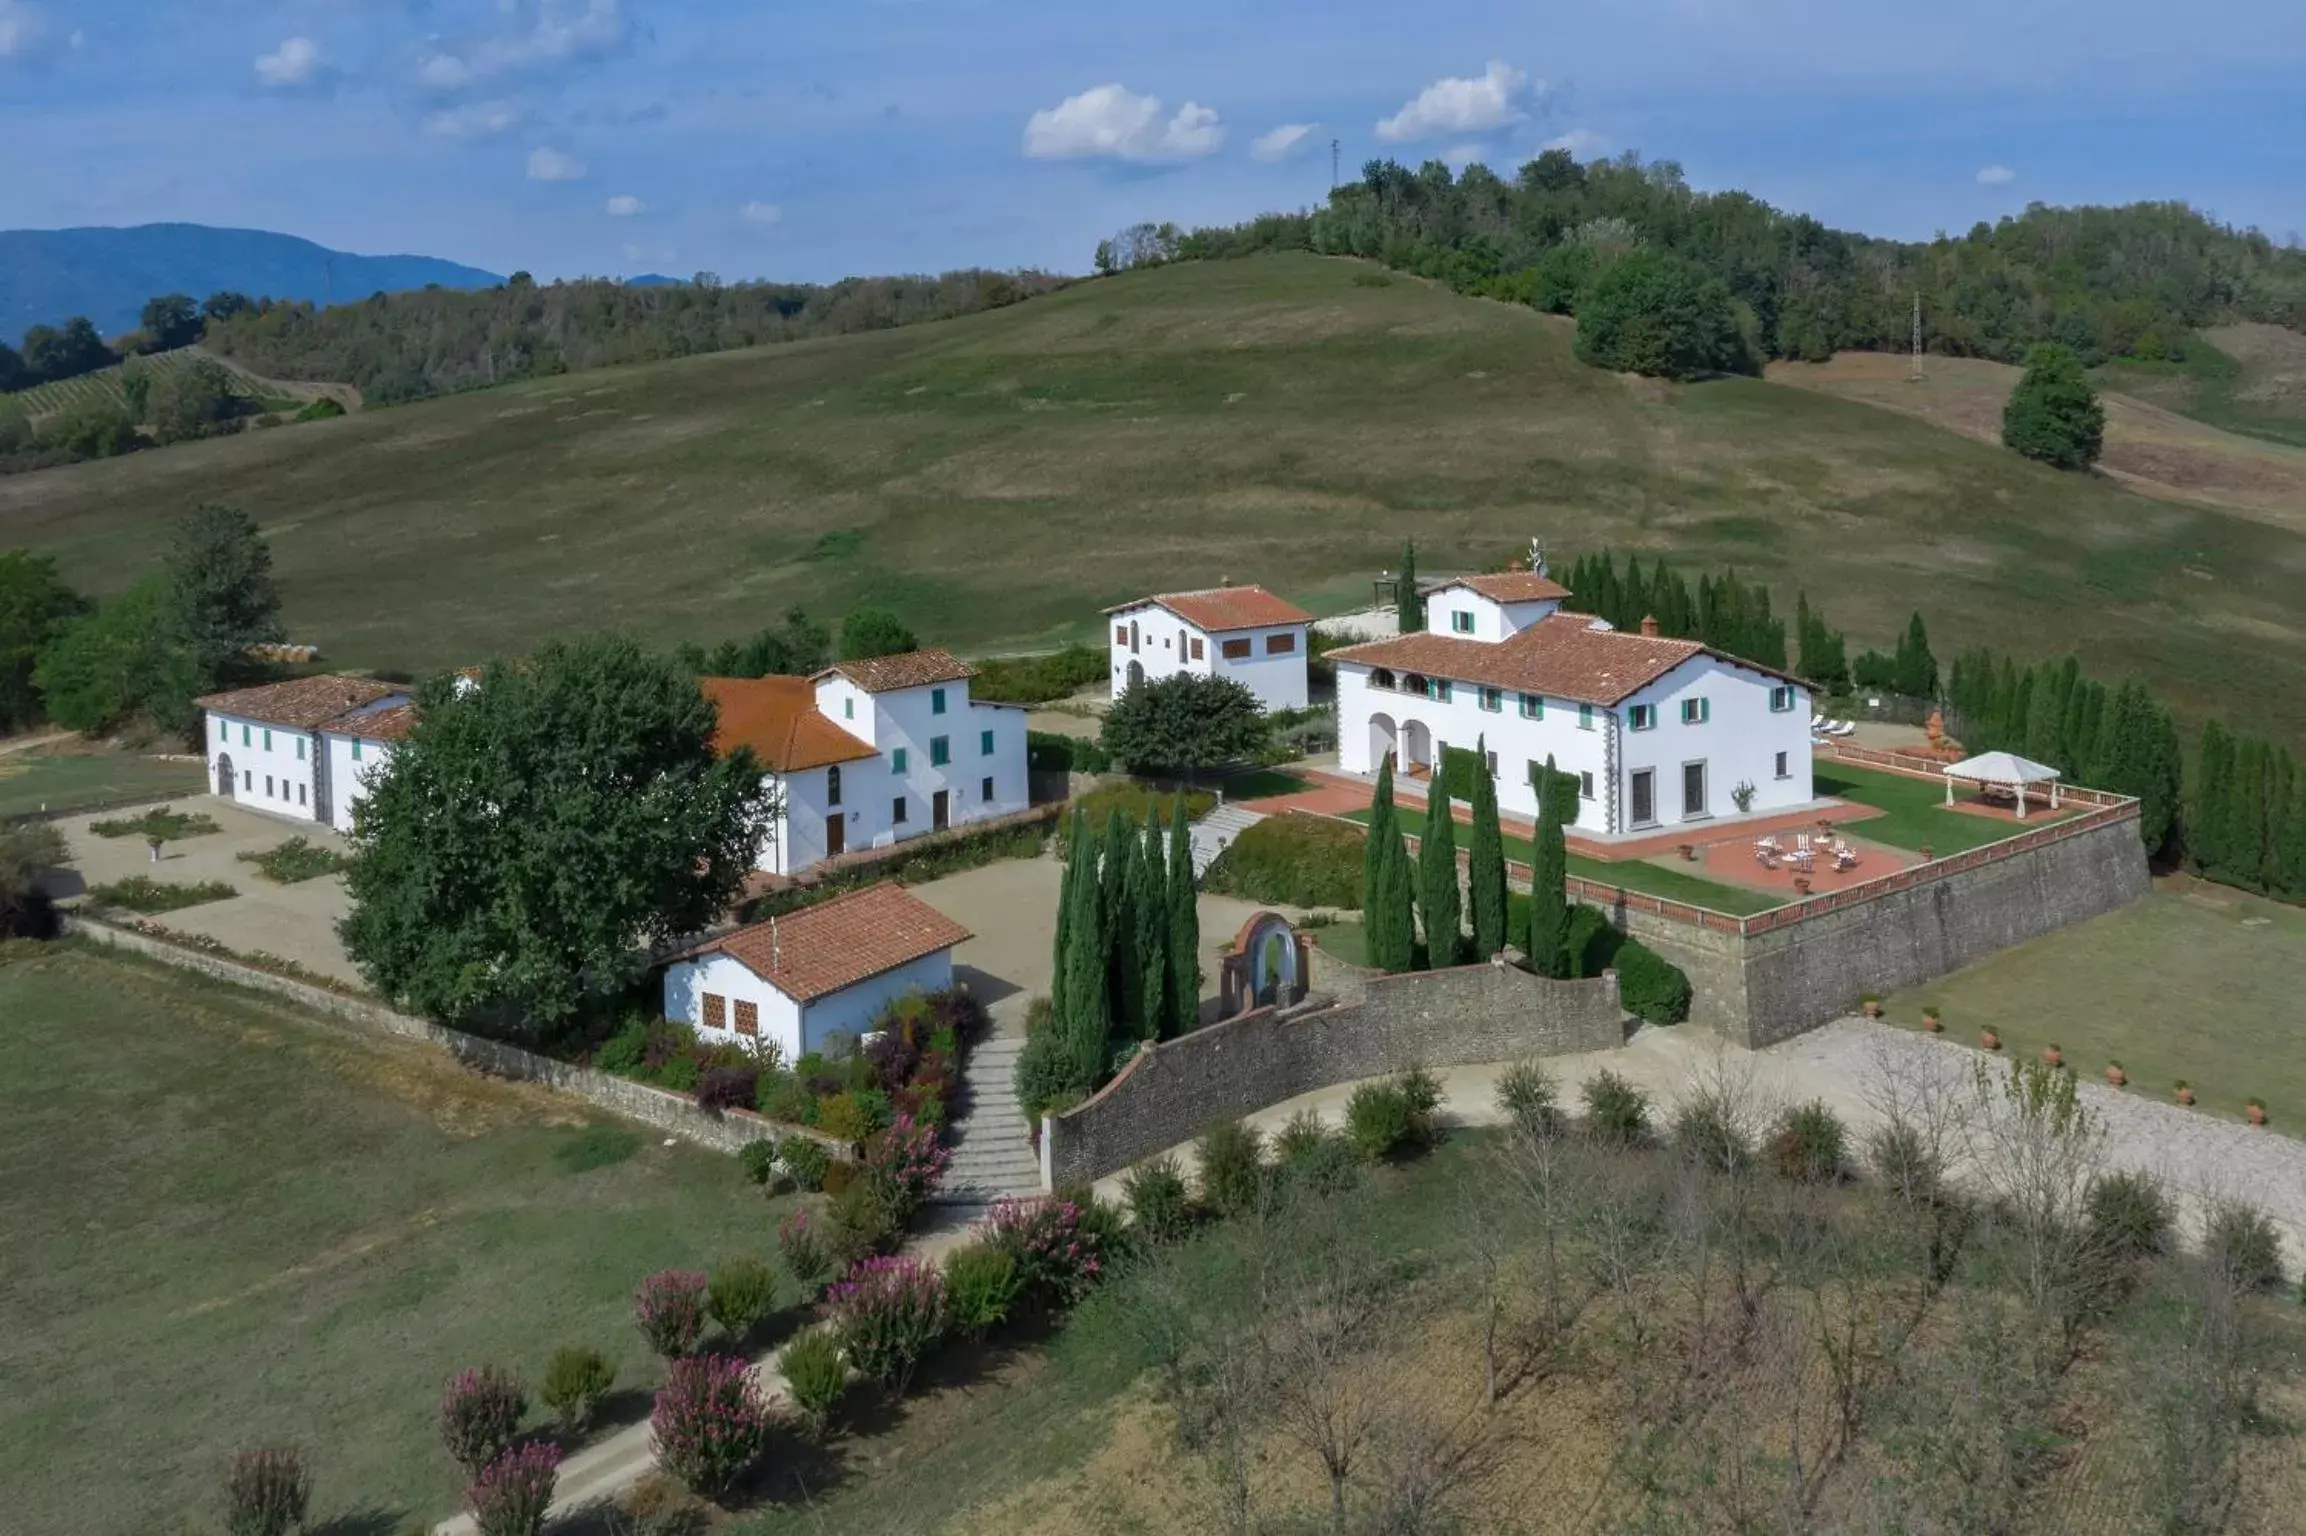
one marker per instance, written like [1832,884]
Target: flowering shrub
[670,1308]
[802,1246]
[1057,1258]
[905,1163]
[709,1423]
[726,1088]
[513,1493]
[887,1313]
[479,1414]
[266,1491]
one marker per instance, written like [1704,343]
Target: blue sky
[814,138]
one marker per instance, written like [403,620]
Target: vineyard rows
[108,384]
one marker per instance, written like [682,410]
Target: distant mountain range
[49,275]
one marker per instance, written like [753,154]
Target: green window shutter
[984,743]
[940,751]
[897,760]
[936,701]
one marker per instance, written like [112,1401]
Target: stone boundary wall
[656,1108]
[1172,1092]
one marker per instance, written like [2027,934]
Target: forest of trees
[2133,281]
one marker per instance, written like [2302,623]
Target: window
[848,709]
[1585,717]
[1493,765]
[936,701]
[1645,797]
[940,751]
[1532,707]
[985,791]
[833,785]
[1280,645]
[248,780]
[1784,772]
[1692,791]
[748,1017]
[1437,689]
[268,738]
[1493,699]
[244,735]
[984,743]
[1642,717]
[1198,654]
[716,1011]
[897,812]
[300,792]
[224,733]
[1234,650]
[1696,711]
[1120,634]
[356,749]
[1781,700]
[1381,677]
[268,786]
[1585,786]
[1461,621]
[897,761]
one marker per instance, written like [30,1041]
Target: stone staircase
[1214,833]
[992,1157]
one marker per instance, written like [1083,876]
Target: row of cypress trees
[2246,825]
[1127,961]
[1722,611]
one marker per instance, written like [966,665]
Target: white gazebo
[2003,768]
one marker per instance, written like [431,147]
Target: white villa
[1245,633]
[828,969]
[305,748]
[870,753]
[1657,732]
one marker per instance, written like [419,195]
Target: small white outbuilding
[830,969]
[2003,770]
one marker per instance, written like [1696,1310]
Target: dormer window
[1413,682]
[1461,621]
[1381,677]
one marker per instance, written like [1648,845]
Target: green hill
[106,385]
[1286,419]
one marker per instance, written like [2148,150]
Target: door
[1692,790]
[940,810]
[323,787]
[1644,796]
[836,834]
[225,783]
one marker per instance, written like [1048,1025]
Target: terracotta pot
[2257,1113]
[1933,1023]
[1927,855]
[1990,1039]
[2117,1076]
[1801,885]
[1873,1010]
[1688,851]
[2185,1095]
[2053,1056]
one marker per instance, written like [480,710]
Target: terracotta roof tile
[392,723]
[778,718]
[821,949]
[1560,657]
[302,703]
[1510,586]
[913,669]
[1217,609]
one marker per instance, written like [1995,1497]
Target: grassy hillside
[2251,378]
[107,384]
[1286,419]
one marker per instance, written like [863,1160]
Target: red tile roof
[835,944]
[1510,586]
[778,718]
[392,723]
[1217,609]
[301,703]
[913,669]
[1561,657]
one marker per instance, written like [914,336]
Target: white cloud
[551,165]
[1111,120]
[1480,104]
[1282,142]
[761,215]
[295,62]
[1996,176]
[624,206]
[549,33]
[480,120]
[1578,141]
[1458,156]
[23,30]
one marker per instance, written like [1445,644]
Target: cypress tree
[2290,844]
[1438,902]
[1385,894]
[2164,796]
[1088,1019]
[1184,932]
[2246,814]
[1150,941]
[1125,986]
[1485,872]
[1546,942]
[1408,609]
[1917,668]
[1063,942]
[2206,831]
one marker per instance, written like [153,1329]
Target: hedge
[1135,800]
[1651,987]
[1049,752]
[1293,858]
[1039,679]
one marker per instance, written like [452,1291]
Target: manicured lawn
[63,781]
[1631,874]
[1346,940]
[2196,982]
[1914,811]
[1262,783]
[226,1223]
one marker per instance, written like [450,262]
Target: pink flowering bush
[513,1493]
[479,1414]
[710,1423]
[887,1313]
[905,1164]
[266,1491]
[670,1308]
[1058,1256]
[808,1258]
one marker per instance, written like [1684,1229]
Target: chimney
[1649,625]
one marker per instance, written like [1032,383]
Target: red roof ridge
[837,943]
[1225,607]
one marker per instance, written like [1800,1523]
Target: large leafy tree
[1185,724]
[1547,941]
[35,605]
[171,320]
[1485,864]
[1386,898]
[1183,992]
[870,632]
[2054,415]
[1661,316]
[104,668]
[534,835]
[221,595]
[190,402]
[1438,902]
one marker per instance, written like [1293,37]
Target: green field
[998,478]
[2198,982]
[63,781]
[247,1226]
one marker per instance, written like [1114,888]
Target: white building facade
[1244,633]
[867,754]
[1657,733]
[304,749]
